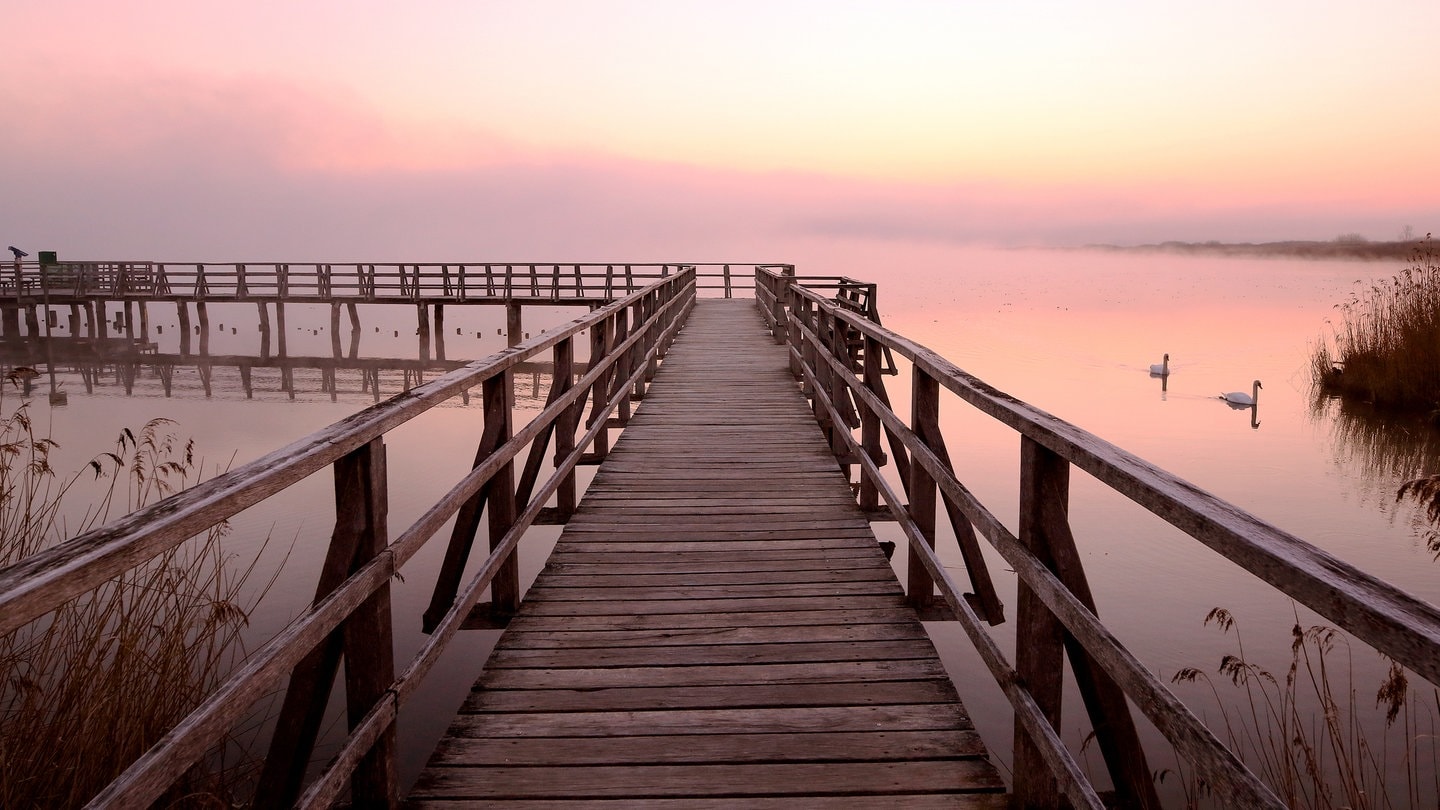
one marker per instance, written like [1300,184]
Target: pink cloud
[178,167]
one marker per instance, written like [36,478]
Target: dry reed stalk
[92,685]
[1311,738]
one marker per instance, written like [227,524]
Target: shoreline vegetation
[1349,247]
[1386,348]
[89,688]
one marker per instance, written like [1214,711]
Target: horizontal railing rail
[834,350]
[351,617]
[353,281]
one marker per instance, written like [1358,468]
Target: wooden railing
[353,282]
[834,353]
[350,617]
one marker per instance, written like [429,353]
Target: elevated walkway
[717,623]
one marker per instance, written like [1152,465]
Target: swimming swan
[1161,369]
[1242,398]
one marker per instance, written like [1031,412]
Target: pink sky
[459,129]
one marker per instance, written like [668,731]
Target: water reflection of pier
[138,369]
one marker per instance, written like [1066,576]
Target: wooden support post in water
[145,321]
[32,321]
[440,331]
[182,310]
[130,320]
[202,315]
[264,330]
[422,317]
[335,347]
[280,327]
[354,331]
[364,640]
[74,320]
[513,324]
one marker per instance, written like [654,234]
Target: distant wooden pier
[717,625]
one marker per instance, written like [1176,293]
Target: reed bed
[90,687]
[1387,348]
[1312,734]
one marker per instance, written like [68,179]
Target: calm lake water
[1071,332]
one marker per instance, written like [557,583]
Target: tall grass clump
[91,686]
[1387,348]
[1312,735]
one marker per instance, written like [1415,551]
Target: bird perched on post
[19,254]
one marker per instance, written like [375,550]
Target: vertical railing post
[599,353]
[505,587]
[924,411]
[1044,477]
[652,340]
[779,285]
[1045,532]
[364,640]
[623,365]
[727,282]
[800,343]
[795,303]
[569,421]
[870,429]
[643,308]
[369,645]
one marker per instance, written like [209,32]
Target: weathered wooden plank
[893,615]
[543,606]
[689,722]
[872,746]
[712,654]
[570,578]
[711,636]
[710,697]
[714,675]
[899,801]
[589,554]
[777,779]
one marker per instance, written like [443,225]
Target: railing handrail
[1384,616]
[39,583]
[823,332]
[352,280]
[628,351]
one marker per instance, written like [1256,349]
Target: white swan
[1162,368]
[1242,398]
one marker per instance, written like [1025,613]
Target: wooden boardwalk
[717,625]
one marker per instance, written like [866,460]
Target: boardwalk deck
[717,624]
